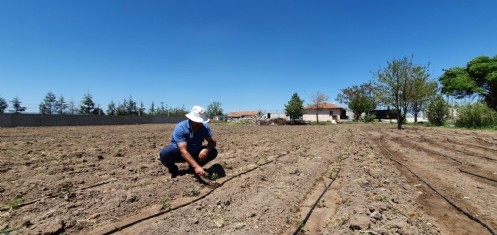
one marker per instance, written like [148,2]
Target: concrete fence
[13,120]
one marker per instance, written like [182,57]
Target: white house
[325,111]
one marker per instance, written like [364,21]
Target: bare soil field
[340,179]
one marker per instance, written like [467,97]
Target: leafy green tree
[477,115]
[437,110]
[395,85]
[61,105]
[3,105]
[178,111]
[423,90]
[317,99]
[360,99]
[295,107]
[214,109]
[87,105]
[479,77]
[16,104]
[48,104]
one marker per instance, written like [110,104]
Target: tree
[214,109]
[3,105]
[87,105]
[295,107]
[71,107]
[423,90]
[130,106]
[111,108]
[48,104]
[60,105]
[479,77]
[317,99]
[360,99]
[437,110]
[152,109]
[141,110]
[16,104]
[395,85]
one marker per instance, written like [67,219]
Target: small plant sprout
[214,176]
[66,189]
[302,228]
[13,204]
[164,201]
[193,191]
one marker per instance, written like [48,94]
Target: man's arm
[211,143]
[188,158]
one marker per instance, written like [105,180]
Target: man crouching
[186,144]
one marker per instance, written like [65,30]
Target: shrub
[369,117]
[279,121]
[437,111]
[477,115]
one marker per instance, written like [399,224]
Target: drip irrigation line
[302,224]
[308,215]
[121,227]
[455,160]
[483,177]
[441,195]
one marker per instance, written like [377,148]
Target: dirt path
[355,178]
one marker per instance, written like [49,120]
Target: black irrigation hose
[441,195]
[54,196]
[301,225]
[480,176]
[455,160]
[119,228]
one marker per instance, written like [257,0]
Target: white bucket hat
[198,114]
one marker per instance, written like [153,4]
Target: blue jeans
[170,155]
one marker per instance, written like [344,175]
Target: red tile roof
[322,105]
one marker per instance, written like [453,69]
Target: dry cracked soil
[330,179]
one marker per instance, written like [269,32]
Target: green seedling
[214,176]
[66,189]
[164,201]
[13,204]
[193,191]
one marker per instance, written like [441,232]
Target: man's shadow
[216,170]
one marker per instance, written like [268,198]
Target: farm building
[244,115]
[275,115]
[326,112]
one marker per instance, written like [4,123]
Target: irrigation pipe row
[455,160]
[308,215]
[440,194]
[129,224]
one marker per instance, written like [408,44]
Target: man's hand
[200,171]
[203,155]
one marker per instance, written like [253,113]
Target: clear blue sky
[246,54]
